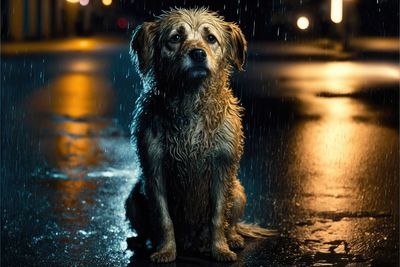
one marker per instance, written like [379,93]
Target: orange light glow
[84,44]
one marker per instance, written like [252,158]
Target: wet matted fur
[188,134]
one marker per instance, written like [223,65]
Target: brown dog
[188,133]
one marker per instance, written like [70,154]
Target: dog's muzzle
[199,69]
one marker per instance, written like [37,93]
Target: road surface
[321,160]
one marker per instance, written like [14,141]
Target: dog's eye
[211,39]
[176,38]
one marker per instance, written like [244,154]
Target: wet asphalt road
[321,161]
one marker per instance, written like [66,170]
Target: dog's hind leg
[236,241]
[137,212]
[136,209]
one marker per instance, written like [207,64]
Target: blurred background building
[43,19]
[260,20]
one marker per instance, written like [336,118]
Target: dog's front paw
[163,256]
[236,242]
[224,254]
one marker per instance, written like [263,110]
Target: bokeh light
[336,11]
[303,23]
[107,2]
[84,2]
[122,23]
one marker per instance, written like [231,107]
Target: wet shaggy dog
[188,134]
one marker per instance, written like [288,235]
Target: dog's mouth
[198,72]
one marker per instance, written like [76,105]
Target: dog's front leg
[219,186]
[156,191]
[166,249]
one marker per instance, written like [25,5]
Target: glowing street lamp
[336,11]
[303,23]
[107,2]
[73,1]
[84,2]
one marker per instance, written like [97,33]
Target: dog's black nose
[198,55]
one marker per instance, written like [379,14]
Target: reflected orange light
[332,158]
[82,103]
[77,95]
[107,2]
[70,197]
[83,66]
[345,70]
[76,148]
[329,150]
[77,44]
[338,77]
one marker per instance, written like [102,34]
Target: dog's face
[194,48]
[188,45]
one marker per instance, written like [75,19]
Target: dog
[188,133]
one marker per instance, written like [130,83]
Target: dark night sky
[260,19]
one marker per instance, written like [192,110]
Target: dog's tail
[254,231]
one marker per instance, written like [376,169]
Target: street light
[107,2]
[303,23]
[336,11]
[84,2]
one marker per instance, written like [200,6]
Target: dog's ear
[237,46]
[142,46]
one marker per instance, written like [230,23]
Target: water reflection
[70,115]
[323,145]
[328,151]
[341,162]
[75,95]
[89,166]
[296,78]
[59,46]
[340,77]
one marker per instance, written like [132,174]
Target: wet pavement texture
[321,161]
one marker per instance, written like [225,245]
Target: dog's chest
[190,147]
[189,141]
